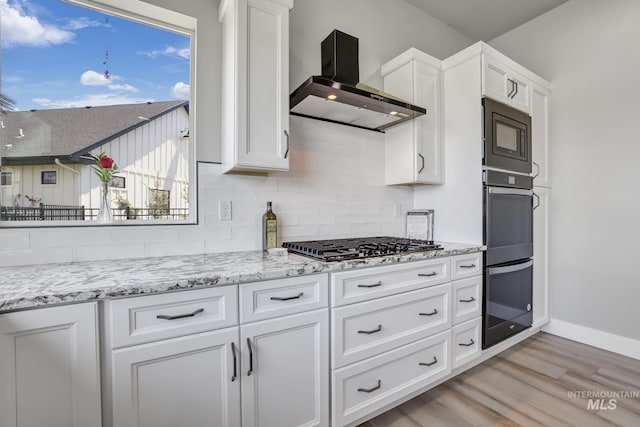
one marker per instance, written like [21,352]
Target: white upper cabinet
[414,151]
[504,84]
[255,84]
[540,135]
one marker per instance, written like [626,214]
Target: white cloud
[84,22]
[123,87]
[181,90]
[184,53]
[95,100]
[93,78]
[18,28]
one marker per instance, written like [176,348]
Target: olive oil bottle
[269,229]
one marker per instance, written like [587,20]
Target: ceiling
[485,19]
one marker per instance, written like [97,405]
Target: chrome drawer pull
[472,299]
[435,360]
[433,273]
[287,298]
[468,266]
[179,316]
[373,285]
[235,362]
[369,390]
[372,331]
[435,311]
[467,345]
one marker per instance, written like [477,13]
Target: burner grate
[366,247]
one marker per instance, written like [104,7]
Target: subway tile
[106,252]
[149,234]
[64,237]
[14,239]
[180,248]
[15,257]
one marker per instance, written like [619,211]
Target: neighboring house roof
[40,136]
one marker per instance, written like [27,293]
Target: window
[48,177]
[84,77]
[159,202]
[7,178]
[118,182]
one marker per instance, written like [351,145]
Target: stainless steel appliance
[337,96]
[507,137]
[508,273]
[364,247]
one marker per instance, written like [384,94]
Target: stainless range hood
[336,96]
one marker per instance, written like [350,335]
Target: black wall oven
[508,273]
[507,137]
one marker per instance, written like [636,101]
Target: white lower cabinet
[189,381]
[399,329]
[285,371]
[366,386]
[49,367]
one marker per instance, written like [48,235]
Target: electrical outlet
[224,210]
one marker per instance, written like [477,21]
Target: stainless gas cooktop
[361,247]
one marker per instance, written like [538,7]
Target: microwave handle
[509,268]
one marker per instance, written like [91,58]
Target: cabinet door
[188,381]
[540,134]
[495,80]
[429,157]
[266,142]
[285,371]
[49,368]
[541,313]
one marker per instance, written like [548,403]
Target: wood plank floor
[534,383]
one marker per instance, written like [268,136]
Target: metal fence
[45,212]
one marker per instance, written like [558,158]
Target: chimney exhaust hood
[336,96]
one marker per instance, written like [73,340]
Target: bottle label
[271,233]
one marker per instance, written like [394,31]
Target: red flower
[106,162]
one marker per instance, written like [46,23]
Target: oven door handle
[513,191]
[509,268]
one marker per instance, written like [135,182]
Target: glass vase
[105,215]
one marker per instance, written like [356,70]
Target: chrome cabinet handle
[286,153]
[472,299]
[468,266]
[235,362]
[433,273]
[421,158]
[373,331]
[369,390]
[513,88]
[537,170]
[467,345]
[435,311]
[435,360]
[250,357]
[537,201]
[287,298]
[373,285]
[179,316]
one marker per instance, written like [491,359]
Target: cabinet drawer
[466,299]
[466,265]
[273,298]
[369,328]
[362,388]
[465,339]
[150,318]
[361,285]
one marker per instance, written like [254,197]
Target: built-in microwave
[507,137]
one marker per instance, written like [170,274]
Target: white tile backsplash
[335,188]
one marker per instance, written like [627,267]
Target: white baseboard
[594,337]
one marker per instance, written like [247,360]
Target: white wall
[588,49]
[335,187]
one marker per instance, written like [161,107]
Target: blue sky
[53,54]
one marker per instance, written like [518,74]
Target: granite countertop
[32,286]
